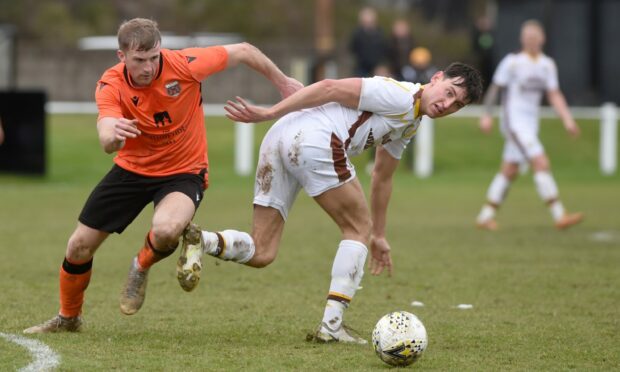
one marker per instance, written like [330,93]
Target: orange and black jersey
[169,112]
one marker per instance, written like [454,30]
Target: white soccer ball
[399,338]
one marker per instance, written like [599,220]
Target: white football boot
[189,264]
[343,333]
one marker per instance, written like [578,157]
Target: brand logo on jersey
[386,139]
[173,88]
[370,141]
[409,131]
[161,117]
[190,59]
[135,99]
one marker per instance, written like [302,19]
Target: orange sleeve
[203,62]
[108,101]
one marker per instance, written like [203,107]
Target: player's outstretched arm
[249,55]
[486,120]
[557,100]
[381,191]
[343,91]
[114,131]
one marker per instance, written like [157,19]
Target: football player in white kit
[321,126]
[523,78]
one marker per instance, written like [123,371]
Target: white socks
[347,273]
[498,189]
[229,245]
[545,185]
[548,191]
[495,196]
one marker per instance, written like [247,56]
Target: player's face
[442,97]
[142,65]
[532,39]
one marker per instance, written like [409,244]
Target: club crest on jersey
[173,88]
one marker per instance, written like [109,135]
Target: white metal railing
[423,167]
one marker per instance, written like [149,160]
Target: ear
[437,76]
[120,55]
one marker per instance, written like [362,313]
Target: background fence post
[608,146]
[423,159]
[244,148]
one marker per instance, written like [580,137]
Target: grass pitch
[543,300]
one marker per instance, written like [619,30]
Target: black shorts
[121,195]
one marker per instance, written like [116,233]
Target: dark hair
[138,34]
[470,79]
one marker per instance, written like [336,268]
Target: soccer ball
[399,338]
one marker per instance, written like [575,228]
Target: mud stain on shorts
[264,176]
[295,150]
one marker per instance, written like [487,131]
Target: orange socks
[75,276]
[148,255]
[74,279]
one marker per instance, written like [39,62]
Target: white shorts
[522,143]
[298,152]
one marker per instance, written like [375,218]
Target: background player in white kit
[325,124]
[523,78]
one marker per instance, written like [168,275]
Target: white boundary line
[45,359]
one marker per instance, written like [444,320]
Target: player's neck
[533,54]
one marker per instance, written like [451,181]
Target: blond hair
[533,23]
[138,34]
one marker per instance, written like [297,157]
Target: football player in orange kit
[150,113]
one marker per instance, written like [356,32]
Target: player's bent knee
[167,235]
[78,249]
[262,259]
[541,164]
[510,172]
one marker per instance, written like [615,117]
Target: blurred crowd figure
[397,56]
[367,43]
[482,45]
[419,68]
[400,45]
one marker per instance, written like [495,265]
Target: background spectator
[419,69]
[399,46]
[367,43]
[482,46]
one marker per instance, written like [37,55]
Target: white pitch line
[45,359]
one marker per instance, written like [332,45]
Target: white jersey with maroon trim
[525,80]
[388,115]
[310,149]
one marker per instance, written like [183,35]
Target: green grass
[543,300]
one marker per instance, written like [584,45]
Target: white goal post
[423,165]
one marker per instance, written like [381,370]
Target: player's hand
[486,123]
[289,87]
[245,112]
[380,257]
[126,128]
[573,129]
